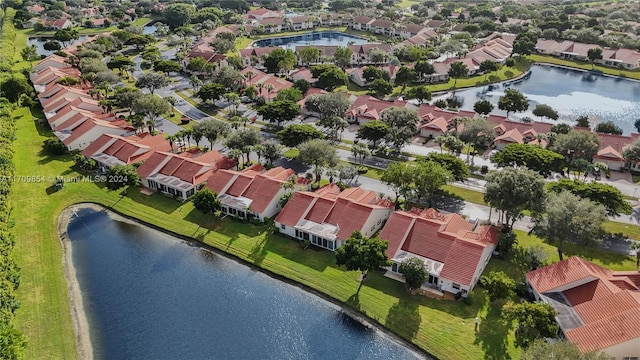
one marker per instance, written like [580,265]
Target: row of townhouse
[435,122]
[596,309]
[454,251]
[80,123]
[626,58]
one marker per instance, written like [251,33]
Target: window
[324,243]
[394,267]
[283,226]
[331,245]
[456,286]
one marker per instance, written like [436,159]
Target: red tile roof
[445,238]
[185,167]
[129,149]
[253,183]
[348,210]
[608,303]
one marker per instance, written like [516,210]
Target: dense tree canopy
[296,134]
[545,111]
[535,158]
[178,14]
[414,271]
[608,127]
[604,194]
[317,153]
[513,101]
[279,111]
[452,163]
[360,253]
[512,190]
[576,145]
[559,350]
[374,131]
[534,321]
[569,218]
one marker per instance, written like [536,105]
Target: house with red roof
[53,61]
[49,75]
[328,216]
[362,23]
[71,116]
[268,85]
[180,174]
[254,57]
[454,250]
[596,309]
[35,9]
[110,150]
[263,13]
[70,99]
[356,74]
[627,58]
[57,24]
[367,108]
[253,193]
[82,134]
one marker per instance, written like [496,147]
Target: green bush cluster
[7,41]
[12,340]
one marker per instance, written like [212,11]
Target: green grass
[444,328]
[292,153]
[632,74]
[472,196]
[629,230]
[406,3]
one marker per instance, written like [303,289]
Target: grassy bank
[546,59]
[435,326]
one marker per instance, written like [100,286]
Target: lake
[334,38]
[40,41]
[572,93]
[151,296]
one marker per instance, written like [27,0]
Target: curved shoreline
[79,318]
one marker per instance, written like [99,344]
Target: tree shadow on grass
[404,317]
[354,301]
[492,333]
[259,251]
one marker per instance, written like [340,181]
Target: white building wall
[623,350]
[274,206]
[288,230]
[375,221]
[482,264]
[90,136]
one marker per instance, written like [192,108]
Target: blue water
[40,41]
[150,296]
[573,94]
[149,29]
[334,38]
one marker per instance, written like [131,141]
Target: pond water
[571,93]
[150,296]
[40,41]
[334,38]
[149,29]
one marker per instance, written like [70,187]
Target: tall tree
[178,14]
[488,66]
[277,58]
[604,194]
[525,43]
[279,111]
[535,158]
[360,253]
[402,125]
[211,129]
[535,321]
[631,152]
[457,70]
[376,131]
[423,68]
[594,54]
[483,107]
[454,164]
[244,140]
[152,107]
[295,134]
[513,101]
[328,105]
[317,153]
[477,133]
[568,218]
[380,88]
[167,66]
[332,78]
[120,176]
[420,93]
[608,127]
[512,191]
[544,110]
[309,55]
[398,176]
[272,151]
[206,201]
[405,76]
[120,62]
[428,178]
[152,81]
[414,271]
[211,91]
[576,145]
[342,56]
[498,285]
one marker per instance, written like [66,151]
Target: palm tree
[188,133]
[260,86]
[249,75]
[235,155]
[636,246]
[171,139]
[269,89]
[195,82]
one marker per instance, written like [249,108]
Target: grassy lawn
[87,31]
[436,326]
[292,153]
[472,196]
[635,74]
[406,3]
[631,231]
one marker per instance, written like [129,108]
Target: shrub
[54,146]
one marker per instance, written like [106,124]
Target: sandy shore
[79,318]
